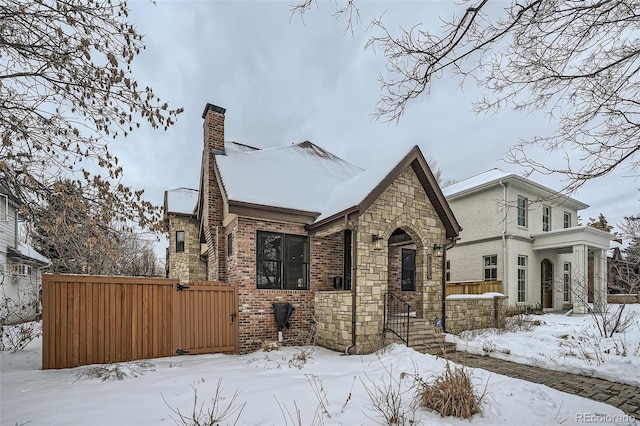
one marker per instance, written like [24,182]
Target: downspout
[444,281]
[354,268]
[505,268]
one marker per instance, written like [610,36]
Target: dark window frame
[180,242]
[408,269]
[230,244]
[282,261]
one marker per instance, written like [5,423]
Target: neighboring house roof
[181,201]
[493,177]
[28,254]
[306,178]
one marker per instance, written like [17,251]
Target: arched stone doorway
[546,283]
[406,258]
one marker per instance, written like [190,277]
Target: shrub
[452,393]
[213,415]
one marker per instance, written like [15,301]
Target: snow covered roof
[299,177]
[181,200]
[479,180]
[493,177]
[26,253]
[310,180]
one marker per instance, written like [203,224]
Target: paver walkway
[625,397]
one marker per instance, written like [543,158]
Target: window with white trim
[567,282]
[4,207]
[490,267]
[546,218]
[566,220]
[522,279]
[523,205]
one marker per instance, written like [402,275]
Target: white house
[20,267]
[527,236]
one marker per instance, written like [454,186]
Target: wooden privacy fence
[473,287]
[98,319]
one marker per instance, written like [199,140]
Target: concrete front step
[423,337]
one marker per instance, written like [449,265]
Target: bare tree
[578,61]
[79,237]
[66,87]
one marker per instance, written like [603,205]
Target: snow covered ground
[327,389]
[565,343]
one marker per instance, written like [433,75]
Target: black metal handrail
[396,316]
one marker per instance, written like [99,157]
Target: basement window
[282,261]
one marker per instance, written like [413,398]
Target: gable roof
[494,176]
[307,179]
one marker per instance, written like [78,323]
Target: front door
[546,283]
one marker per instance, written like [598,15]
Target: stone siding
[395,276]
[623,298]
[333,315]
[403,204]
[185,266]
[474,312]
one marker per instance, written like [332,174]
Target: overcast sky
[284,80]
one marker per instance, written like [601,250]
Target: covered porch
[575,246]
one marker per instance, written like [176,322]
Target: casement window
[448,270]
[230,245]
[522,279]
[566,289]
[408,270]
[179,241]
[490,267]
[567,220]
[523,205]
[546,218]
[282,261]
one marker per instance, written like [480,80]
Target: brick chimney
[213,128]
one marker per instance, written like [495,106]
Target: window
[567,220]
[546,218]
[20,269]
[408,270]
[4,207]
[347,259]
[179,241]
[522,278]
[490,267]
[523,205]
[448,270]
[282,261]
[229,244]
[567,282]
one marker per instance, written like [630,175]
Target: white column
[579,279]
[599,280]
